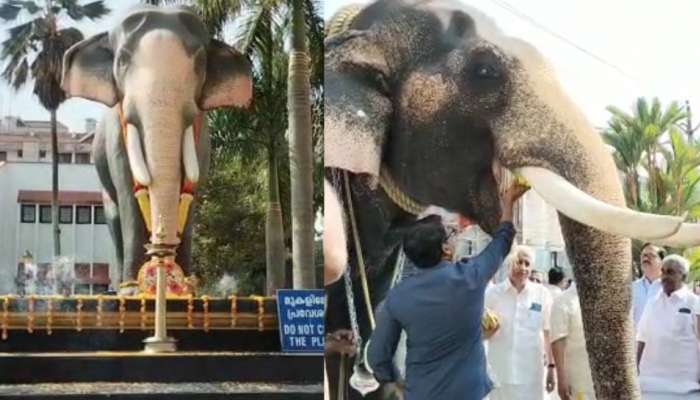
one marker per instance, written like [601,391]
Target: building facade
[30,141]
[86,265]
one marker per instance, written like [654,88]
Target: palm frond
[10,9]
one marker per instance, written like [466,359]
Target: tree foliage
[658,163]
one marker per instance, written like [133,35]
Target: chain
[352,311]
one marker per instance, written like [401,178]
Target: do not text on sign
[301,322]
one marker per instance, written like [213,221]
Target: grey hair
[519,250]
[679,261]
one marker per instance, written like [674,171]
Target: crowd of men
[537,348]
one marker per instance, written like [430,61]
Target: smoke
[227,285]
[59,278]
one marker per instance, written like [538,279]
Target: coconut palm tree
[37,47]
[637,139]
[263,27]
[301,151]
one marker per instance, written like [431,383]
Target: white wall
[81,243]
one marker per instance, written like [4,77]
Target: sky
[74,111]
[649,48]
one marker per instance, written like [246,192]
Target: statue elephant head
[432,97]
[162,70]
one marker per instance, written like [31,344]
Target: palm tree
[301,152]
[637,138]
[41,40]
[263,27]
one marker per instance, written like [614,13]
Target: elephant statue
[159,71]
[426,101]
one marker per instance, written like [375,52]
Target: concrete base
[177,367]
[159,345]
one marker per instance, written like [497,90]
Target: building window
[99,215]
[28,213]
[65,214]
[42,153]
[83,214]
[3,156]
[99,289]
[64,158]
[82,158]
[45,214]
[20,153]
[82,288]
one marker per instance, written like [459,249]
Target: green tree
[637,139]
[230,209]
[37,46]
[262,27]
[659,165]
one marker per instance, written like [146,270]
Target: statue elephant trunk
[163,150]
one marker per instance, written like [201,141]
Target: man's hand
[393,391]
[342,341]
[508,199]
[563,390]
[551,382]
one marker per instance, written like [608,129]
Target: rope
[341,21]
[358,252]
[396,195]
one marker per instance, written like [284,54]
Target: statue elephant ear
[87,70]
[358,106]
[228,81]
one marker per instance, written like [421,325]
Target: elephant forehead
[423,94]
[181,22]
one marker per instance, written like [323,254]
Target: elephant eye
[485,72]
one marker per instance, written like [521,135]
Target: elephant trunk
[543,130]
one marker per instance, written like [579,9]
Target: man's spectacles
[450,232]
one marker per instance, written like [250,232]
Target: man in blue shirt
[440,309]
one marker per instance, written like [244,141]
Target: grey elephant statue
[425,102]
[159,71]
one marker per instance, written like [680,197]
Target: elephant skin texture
[435,94]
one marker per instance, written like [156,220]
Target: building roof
[65,197]
[43,125]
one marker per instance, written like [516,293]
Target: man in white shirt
[555,281]
[649,285]
[668,351]
[574,381]
[516,351]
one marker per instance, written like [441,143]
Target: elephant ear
[87,70]
[357,103]
[228,81]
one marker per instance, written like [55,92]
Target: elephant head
[162,69]
[433,95]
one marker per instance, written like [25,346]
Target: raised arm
[485,265]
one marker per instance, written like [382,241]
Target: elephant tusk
[582,207]
[137,163]
[687,236]
[189,155]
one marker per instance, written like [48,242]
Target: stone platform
[181,375]
[52,347]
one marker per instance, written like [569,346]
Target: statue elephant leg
[109,196]
[131,223]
